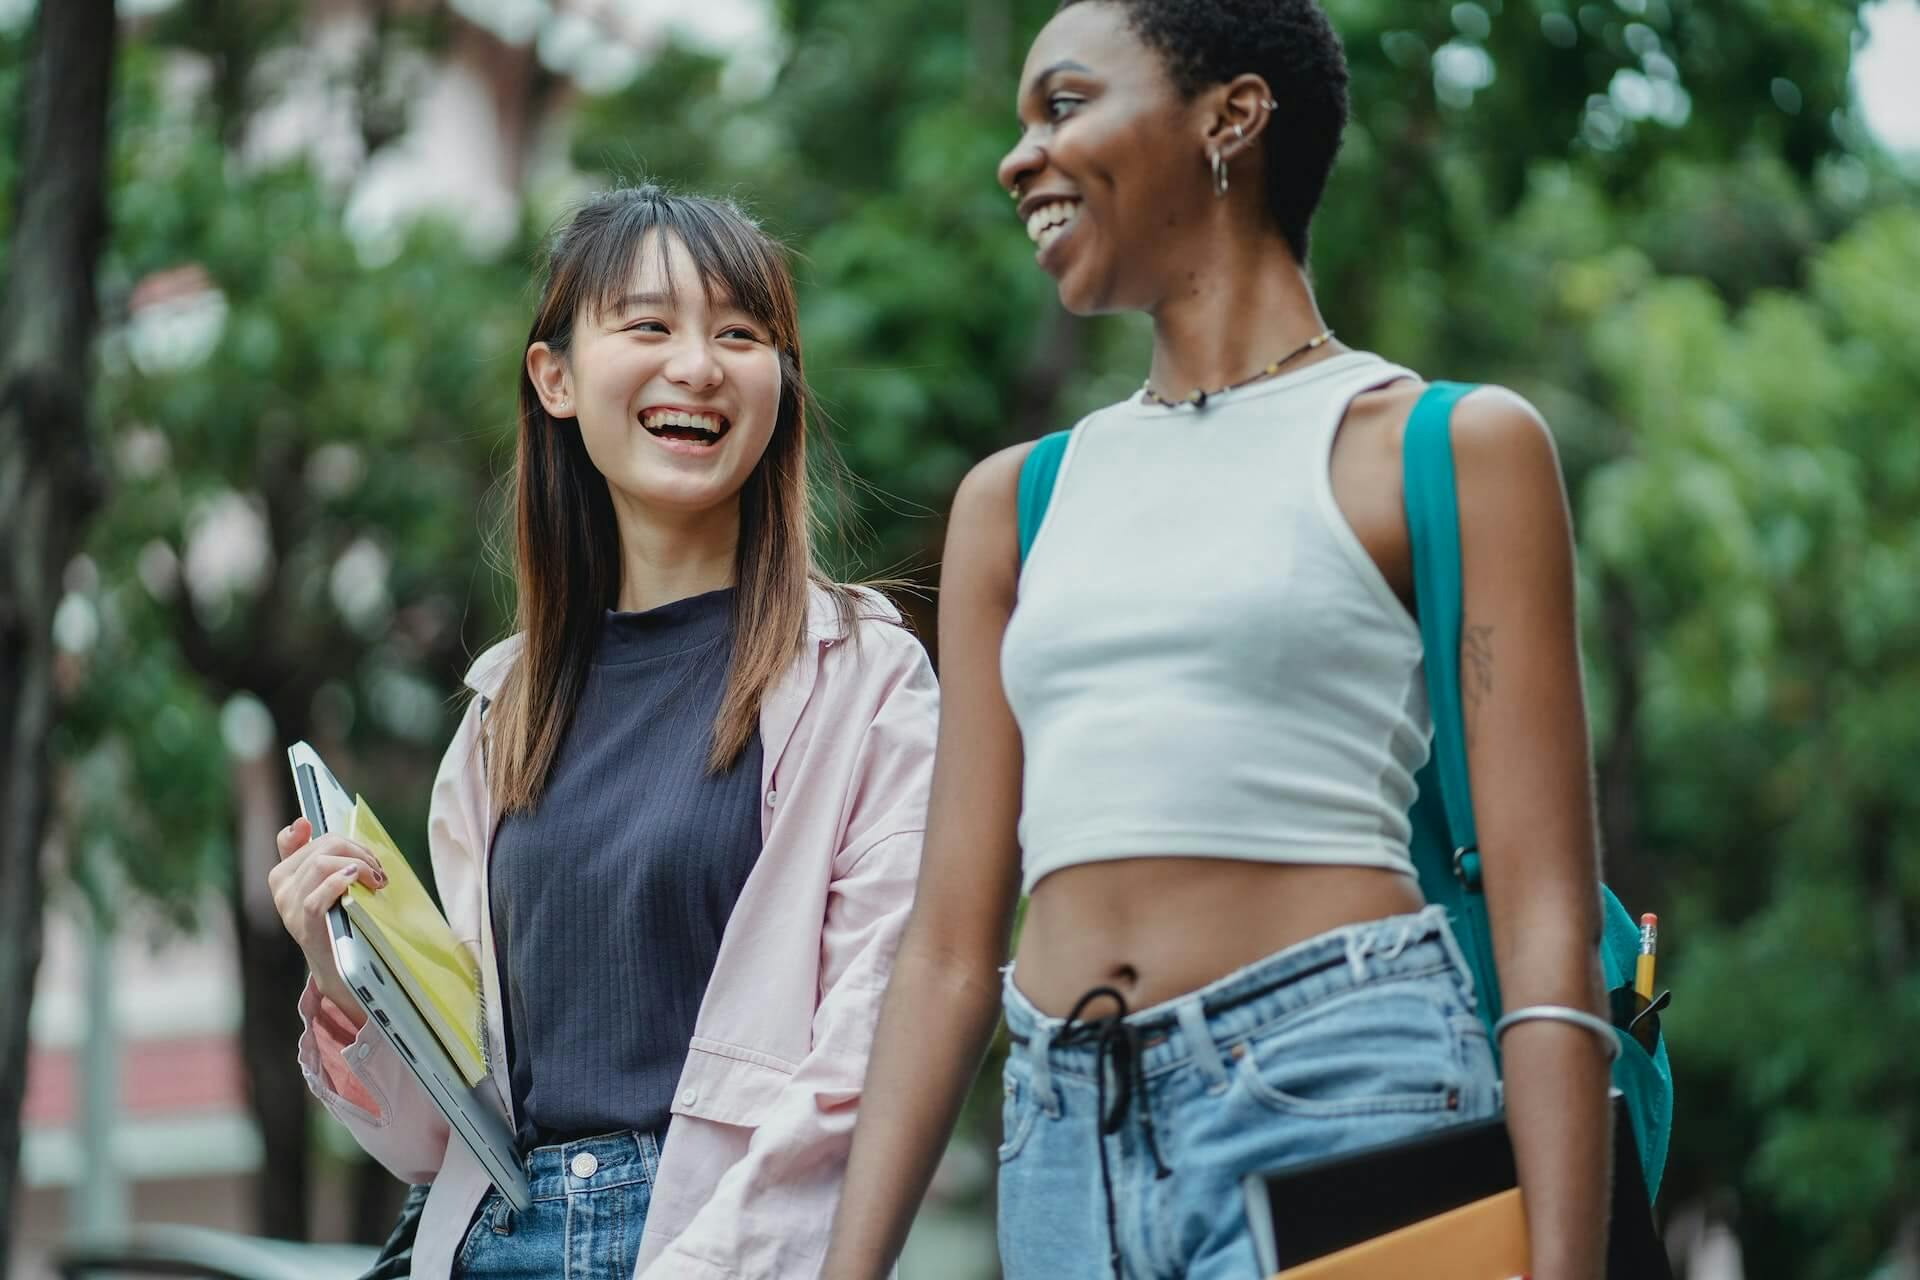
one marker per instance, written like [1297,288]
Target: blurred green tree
[1761,530]
[49,478]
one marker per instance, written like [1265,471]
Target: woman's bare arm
[1526,726]
[943,999]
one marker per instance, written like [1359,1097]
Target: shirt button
[773,797]
[585,1165]
[689,1096]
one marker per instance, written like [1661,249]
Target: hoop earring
[1219,174]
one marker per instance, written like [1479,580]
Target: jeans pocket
[1375,1052]
[1019,1110]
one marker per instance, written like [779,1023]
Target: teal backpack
[1445,849]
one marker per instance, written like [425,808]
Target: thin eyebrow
[636,300]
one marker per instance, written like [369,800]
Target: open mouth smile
[1052,220]
[686,427]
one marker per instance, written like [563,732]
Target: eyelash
[642,325]
[1057,100]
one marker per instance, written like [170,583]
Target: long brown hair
[566,540]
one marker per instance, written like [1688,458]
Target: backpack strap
[1038,471]
[1433,526]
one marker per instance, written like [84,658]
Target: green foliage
[1760,513]
[357,412]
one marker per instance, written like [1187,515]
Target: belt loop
[1039,1051]
[1200,1046]
[1455,957]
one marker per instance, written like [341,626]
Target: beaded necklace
[1198,397]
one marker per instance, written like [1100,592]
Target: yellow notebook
[1484,1240]
[403,926]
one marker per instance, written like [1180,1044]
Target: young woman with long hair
[681,819]
[1188,726]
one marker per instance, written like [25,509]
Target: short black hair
[1292,45]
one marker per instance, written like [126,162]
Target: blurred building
[179,1139]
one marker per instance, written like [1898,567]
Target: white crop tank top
[1203,660]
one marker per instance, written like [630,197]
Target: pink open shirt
[763,1118]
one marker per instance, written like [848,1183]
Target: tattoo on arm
[1476,673]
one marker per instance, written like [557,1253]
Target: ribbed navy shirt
[609,899]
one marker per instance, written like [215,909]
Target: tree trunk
[49,483]
[1618,766]
[272,973]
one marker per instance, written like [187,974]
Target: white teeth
[1054,217]
[656,419]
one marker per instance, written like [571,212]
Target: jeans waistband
[1320,968]
[592,1164]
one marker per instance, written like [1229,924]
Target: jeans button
[585,1165]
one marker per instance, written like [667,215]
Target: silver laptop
[471,1111]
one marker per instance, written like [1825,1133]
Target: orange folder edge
[1485,1240]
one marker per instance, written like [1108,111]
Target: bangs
[738,264]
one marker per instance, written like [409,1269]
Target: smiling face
[675,387]
[1110,168]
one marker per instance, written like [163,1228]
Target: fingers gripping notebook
[417,981]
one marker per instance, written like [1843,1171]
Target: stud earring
[1239,133]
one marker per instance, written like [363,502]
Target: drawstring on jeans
[1362,945]
[1113,1037]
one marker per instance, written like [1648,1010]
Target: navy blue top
[609,899]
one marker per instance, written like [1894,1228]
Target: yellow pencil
[1643,967]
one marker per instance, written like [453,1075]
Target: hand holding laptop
[392,958]
[311,876]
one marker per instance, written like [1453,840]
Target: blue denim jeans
[589,1205]
[1362,1035]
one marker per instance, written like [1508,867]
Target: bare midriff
[1155,928]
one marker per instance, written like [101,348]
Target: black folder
[1310,1210]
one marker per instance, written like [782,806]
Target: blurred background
[265,507]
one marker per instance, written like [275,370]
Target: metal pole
[98,1207]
